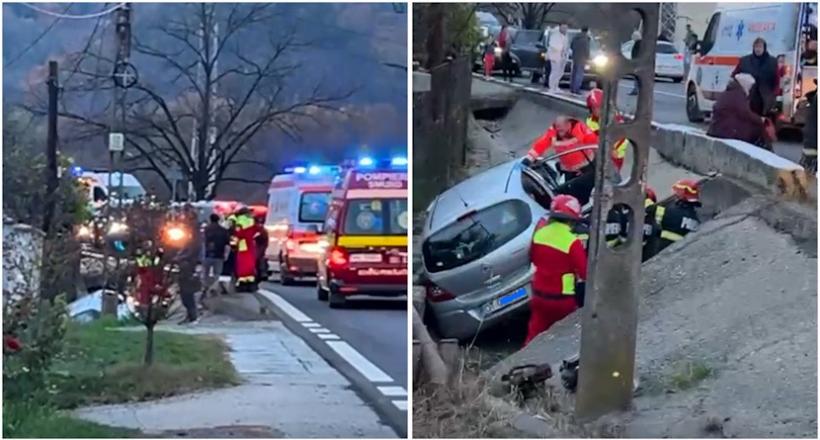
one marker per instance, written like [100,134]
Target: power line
[36,40]
[73,17]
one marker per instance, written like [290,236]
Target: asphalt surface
[375,328]
[669,107]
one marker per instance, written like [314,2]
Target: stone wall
[22,257]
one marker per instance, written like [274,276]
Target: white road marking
[291,311]
[311,324]
[359,362]
[328,336]
[400,404]
[393,391]
[319,330]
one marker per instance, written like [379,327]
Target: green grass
[28,420]
[689,374]
[101,364]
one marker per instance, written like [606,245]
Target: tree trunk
[149,345]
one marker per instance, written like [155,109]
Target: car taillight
[338,257]
[437,294]
[679,57]
[291,245]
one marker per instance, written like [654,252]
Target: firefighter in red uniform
[567,134]
[560,266]
[595,100]
[245,233]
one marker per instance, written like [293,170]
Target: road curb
[692,149]
[367,390]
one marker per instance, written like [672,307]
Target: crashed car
[476,242]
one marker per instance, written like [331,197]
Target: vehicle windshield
[527,37]
[313,207]
[665,48]
[475,235]
[487,19]
[376,217]
[128,192]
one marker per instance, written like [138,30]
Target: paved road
[376,328]
[670,107]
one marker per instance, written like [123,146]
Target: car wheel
[284,276]
[336,300]
[321,293]
[693,112]
[517,72]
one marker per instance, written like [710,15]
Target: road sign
[116,142]
[125,75]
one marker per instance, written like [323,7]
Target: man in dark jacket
[580,57]
[809,158]
[217,240]
[732,117]
[636,49]
[763,67]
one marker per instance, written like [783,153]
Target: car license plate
[366,258]
[512,297]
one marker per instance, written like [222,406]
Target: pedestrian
[636,50]
[732,115]
[763,67]
[489,58]
[809,157]
[691,39]
[506,59]
[681,218]
[261,239]
[187,259]
[580,57]
[560,262]
[216,240]
[557,55]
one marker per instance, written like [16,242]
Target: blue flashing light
[76,171]
[299,170]
[399,162]
[366,162]
[314,170]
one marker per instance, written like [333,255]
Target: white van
[99,192]
[297,204]
[786,27]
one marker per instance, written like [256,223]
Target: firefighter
[651,230]
[681,218]
[567,134]
[229,269]
[595,100]
[245,232]
[560,266]
[150,282]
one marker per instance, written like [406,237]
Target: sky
[350,44]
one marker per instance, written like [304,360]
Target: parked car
[668,60]
[475,246]
[529,50]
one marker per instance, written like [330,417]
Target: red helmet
[650,194]
[565,206]
[687,190]
[595,99]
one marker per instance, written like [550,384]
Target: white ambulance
[788,29]
[297,205]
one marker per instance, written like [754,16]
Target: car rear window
[666,48]
[475,235]
[376,217]
[313,207]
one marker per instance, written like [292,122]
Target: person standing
[217,240]
[580,57]
[560,261]
[489,57]
[809,157]
[506,59]
[245,234]
[763,67]
[636,49]
[262,240]
[557,55]
[187,260]
[690,42]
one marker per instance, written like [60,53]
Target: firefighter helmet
[650,194]
[595,99]
[687,190]
[565,206]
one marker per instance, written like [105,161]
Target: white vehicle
[668,60]
[786,27]
[99,192]
[297,205]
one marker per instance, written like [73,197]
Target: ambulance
[366,234]
[790,29]
[298,201]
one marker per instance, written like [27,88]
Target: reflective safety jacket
[619,152]
[579,135]
[650,222]
[244,235]
[616,224]
[677,221]
[559,257]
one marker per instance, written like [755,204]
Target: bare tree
[532,15]
[227,74]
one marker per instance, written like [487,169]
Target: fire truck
[297,204]
[365,234]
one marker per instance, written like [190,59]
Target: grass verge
[101,364]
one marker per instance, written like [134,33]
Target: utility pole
[610,314]
[204,132]
[52,177]
[123,78]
